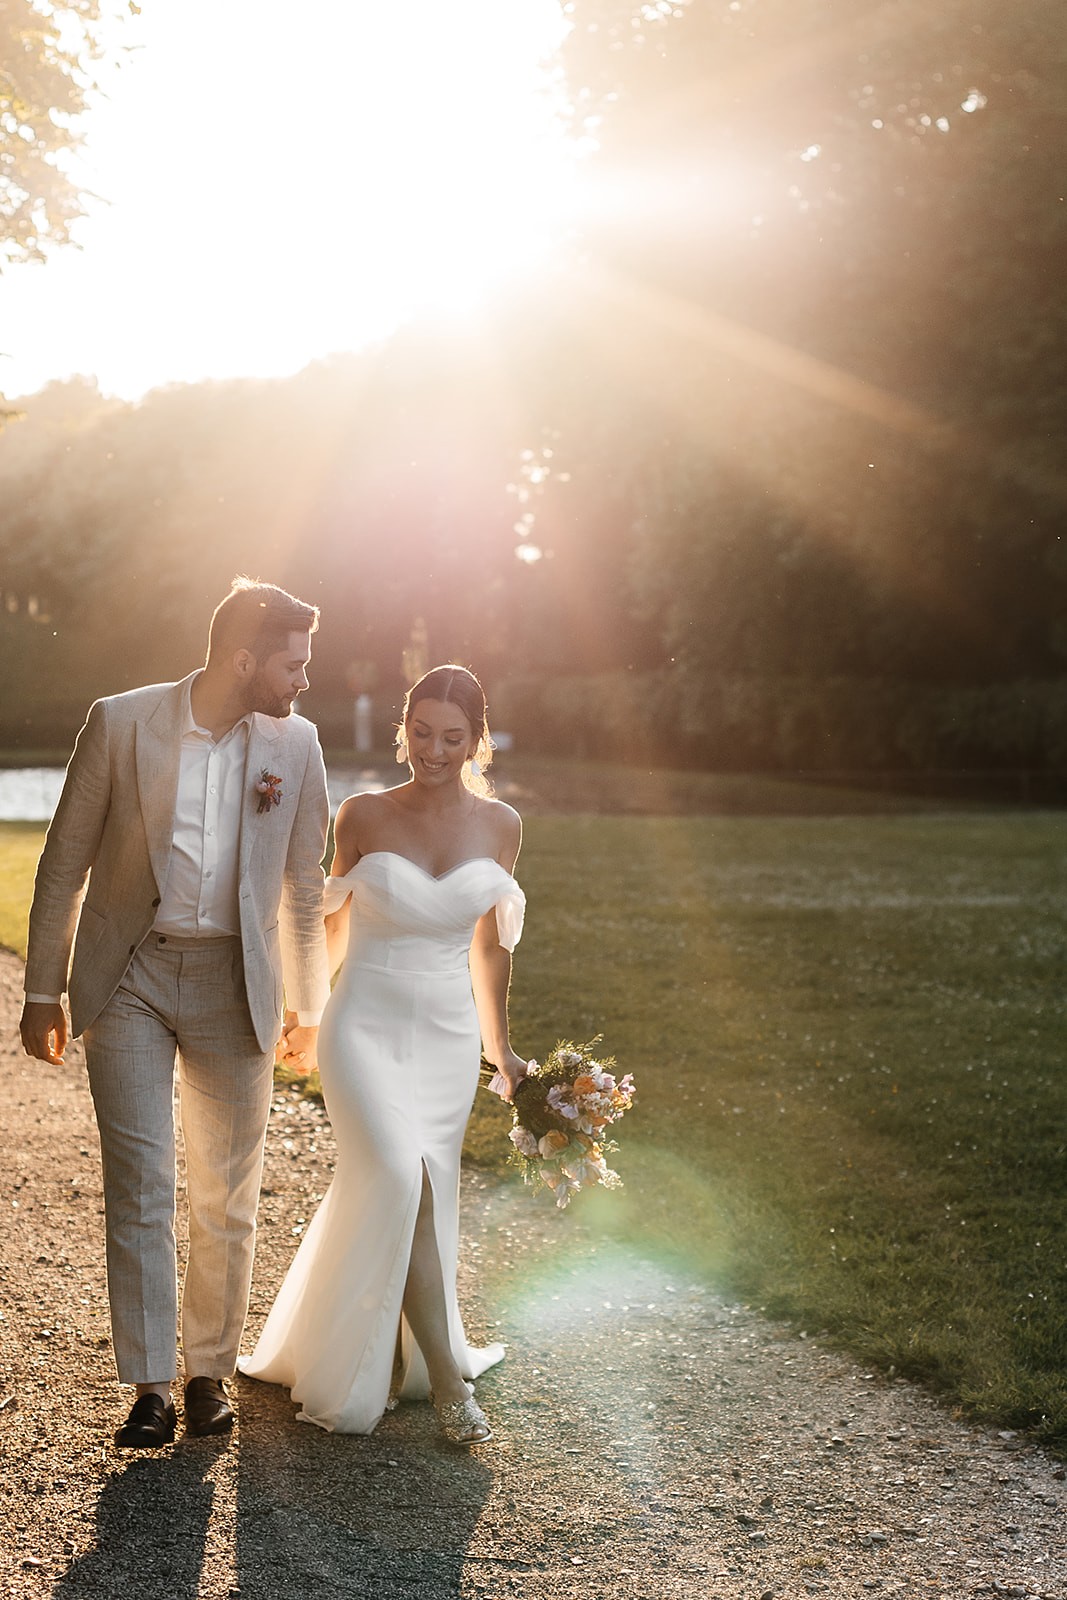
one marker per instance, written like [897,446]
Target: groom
[183,865]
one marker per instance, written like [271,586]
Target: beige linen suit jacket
[105,859]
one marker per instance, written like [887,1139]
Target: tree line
[770,475]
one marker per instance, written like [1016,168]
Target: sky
[280,183]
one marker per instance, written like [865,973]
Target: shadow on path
[152,1524]
[388,1515]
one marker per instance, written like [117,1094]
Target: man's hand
[297,1047]
[44,1031]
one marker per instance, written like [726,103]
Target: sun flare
[281,186]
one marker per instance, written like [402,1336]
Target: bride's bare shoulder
[504,816]
[505,826]
[361,813]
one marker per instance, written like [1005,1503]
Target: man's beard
[258,697]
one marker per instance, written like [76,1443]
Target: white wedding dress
[399,1052]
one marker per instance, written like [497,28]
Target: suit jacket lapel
[158,754]
[263,739]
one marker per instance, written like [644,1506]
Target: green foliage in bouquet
[560,1113]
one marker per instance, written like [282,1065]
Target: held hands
[44,1031]
[510,1071]
[297,1047]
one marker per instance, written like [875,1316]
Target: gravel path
[652,1441]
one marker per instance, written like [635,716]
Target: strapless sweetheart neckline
[434,877]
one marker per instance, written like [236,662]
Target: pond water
[29,794]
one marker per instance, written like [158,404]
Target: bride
[421,895]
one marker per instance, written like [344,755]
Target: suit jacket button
[133,949]
[156,901]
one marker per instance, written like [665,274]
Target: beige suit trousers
[183,997]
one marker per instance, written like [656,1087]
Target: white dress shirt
[200,894]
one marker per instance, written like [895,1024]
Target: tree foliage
[48,52]
[820,261]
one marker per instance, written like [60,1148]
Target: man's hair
[258,617]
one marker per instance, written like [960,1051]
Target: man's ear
[244,664]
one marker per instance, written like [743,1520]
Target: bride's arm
[346,853]
[337,937]
[490,966]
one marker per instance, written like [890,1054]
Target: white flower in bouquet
[560,1112]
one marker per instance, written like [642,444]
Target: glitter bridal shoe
[463,1421]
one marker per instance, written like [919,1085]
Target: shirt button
[213,790]
[208,874]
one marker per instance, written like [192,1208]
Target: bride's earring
[402,753]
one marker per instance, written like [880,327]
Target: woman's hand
[297,1046]
[510,1071]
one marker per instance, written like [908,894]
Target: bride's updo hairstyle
[458,687]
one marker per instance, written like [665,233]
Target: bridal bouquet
[560,1113]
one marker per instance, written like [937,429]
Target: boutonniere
[269,789]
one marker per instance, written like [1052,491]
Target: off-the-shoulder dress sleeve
[510,913]
[337,892]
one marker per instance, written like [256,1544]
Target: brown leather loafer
[151,1423]
[207,1409]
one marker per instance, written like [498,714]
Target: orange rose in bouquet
[560,1110]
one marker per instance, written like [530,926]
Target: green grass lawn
[848,1039]
[20,846]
